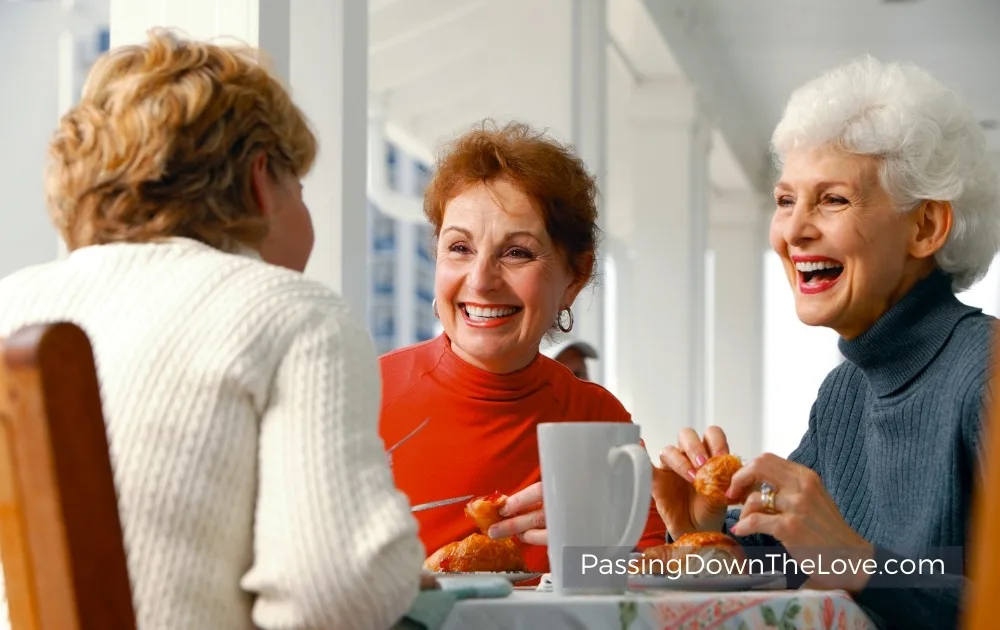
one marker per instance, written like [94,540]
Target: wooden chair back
[60,536]
[982,610]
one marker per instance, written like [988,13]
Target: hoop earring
[559,320]
[434,307]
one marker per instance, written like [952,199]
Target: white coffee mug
[596,480]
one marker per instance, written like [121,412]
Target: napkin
[431,608]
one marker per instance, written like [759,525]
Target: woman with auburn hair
[241,398]
[515,225]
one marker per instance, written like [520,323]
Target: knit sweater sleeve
[335,543]
[928,600]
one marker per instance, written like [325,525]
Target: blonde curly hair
[162,142]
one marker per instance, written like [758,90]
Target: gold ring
[767,493]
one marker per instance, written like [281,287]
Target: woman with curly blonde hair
[241,398]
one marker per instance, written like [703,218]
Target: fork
[388,453]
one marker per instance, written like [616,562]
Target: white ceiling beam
[698,56]
[632,34]
[438,88]
[388,77]
[410,144]
[418,18]
[429,46]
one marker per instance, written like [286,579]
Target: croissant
[712,479]
[707,545]
[476,553]
[479,552]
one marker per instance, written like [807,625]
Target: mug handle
[642,473]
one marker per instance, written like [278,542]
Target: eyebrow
[509,235]
[822,184]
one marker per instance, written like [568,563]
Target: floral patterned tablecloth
[753,610]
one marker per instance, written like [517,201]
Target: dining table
[529,608]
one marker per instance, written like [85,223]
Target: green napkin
[430,610]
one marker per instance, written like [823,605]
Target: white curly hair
[930,144]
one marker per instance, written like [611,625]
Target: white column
[663,310]
[320,48]
[406,254]
[329,78]
[738,240]
[588,116]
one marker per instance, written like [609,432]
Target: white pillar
[663,297]
[320,47]
[588,116]
[406,253]
[738,241]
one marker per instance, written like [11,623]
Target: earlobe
[586,267]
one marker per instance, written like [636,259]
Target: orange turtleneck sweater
[481,436]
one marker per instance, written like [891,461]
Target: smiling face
[849,254]
[500,281]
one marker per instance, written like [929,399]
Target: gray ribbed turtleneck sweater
[894,434]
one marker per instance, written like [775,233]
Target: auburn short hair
[162,143]
[545,170]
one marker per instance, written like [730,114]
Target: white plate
[512,577]
[765,581]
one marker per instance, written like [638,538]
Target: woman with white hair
[887,206]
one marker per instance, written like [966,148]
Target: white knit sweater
[242,407]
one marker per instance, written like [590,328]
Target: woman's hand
[523,517]
[804,519]
[682,509]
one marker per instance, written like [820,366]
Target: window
[985,294]
[796,360]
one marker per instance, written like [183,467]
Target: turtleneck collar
[908,336]
[480,384]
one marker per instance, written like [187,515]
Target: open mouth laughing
[817,273]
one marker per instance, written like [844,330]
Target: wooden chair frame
[61,540]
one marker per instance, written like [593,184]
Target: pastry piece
[690,555]
[712,479]
[476,553]
[484,511]
[709,547]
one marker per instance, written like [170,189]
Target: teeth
[817,266]
[487,312]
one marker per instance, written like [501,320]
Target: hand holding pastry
[683,508]
[478,553]
[522,517]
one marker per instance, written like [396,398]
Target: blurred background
[670,102]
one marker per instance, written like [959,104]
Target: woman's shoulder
[967,354]
[590,398]
[281,295]
[402,367]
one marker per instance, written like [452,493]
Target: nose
[485,275]
[800,227]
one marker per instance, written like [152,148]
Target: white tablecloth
[753,610]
